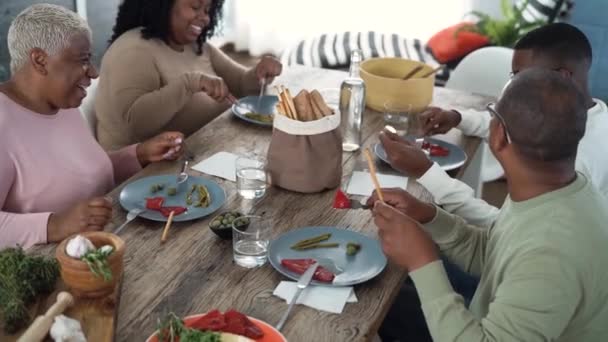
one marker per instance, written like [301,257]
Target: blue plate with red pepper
[346,257]
[448,156]
[159,195]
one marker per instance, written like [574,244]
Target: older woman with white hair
[53,172]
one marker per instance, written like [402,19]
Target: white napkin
[221,164]
[324,298]
[361,183]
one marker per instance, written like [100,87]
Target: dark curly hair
[154,17]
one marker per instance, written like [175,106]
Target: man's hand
[407,204]
[435,120]
[404,155]
[403,240]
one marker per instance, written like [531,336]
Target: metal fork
[257,108]
[131,215]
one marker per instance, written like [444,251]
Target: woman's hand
[87,215]
[268,68]
[165,146]
[216,88]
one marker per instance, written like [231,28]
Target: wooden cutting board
[97,316]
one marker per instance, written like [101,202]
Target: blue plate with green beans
[256,110]
[352,257]
[199,196]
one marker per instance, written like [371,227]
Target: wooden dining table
[193,271]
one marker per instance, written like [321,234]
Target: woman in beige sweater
[160,73]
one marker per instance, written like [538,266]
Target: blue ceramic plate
[361,267]
[134,195]
[454,160]
[250,104]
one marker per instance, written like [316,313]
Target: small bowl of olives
[221,225]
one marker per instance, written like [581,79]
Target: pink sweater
[47,164]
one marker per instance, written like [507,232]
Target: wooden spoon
[412,73]
[433,71]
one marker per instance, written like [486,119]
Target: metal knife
[302,284]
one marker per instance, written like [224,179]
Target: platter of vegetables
[215,326]
[159,195]
[345,257]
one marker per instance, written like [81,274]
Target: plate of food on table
[447,155]
[345,257]
[258,110]
[215,326]
[194,198]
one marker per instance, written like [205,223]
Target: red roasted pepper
[154,203]
[435,150]
[166,211]
[232,322]
[213,321]
[299,266]
[341,201]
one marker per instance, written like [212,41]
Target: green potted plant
[507,30]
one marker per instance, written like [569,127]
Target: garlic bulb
[106,249]
[78,246]
[65,329]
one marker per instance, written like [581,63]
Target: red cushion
[447,45]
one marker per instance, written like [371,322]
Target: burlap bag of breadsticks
[305,153]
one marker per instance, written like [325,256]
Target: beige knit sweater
[146,87]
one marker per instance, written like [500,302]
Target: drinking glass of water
[250,241]
[251,180]
[403,119]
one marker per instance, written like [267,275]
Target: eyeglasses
[494,113]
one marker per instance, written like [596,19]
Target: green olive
[219,218]
[215,224]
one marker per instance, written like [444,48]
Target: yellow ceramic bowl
[383,82]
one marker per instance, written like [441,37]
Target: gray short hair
[44,26]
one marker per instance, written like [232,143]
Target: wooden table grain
[193,271]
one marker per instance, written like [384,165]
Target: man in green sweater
[543,264]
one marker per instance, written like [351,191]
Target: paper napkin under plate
[221,164]
[361,183]
[324,298]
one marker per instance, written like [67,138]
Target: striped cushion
[547,10]
[332,50]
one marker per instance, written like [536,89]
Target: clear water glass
[251,177]
[403,119]
[250,242]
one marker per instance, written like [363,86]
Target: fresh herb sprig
[172,329]
[97,260]
[22,278]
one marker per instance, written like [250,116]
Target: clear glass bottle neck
[354,70]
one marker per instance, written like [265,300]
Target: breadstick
[318,99]
[372,172]
[302,104]
[290,104]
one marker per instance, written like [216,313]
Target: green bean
[316,245]
[313,240]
